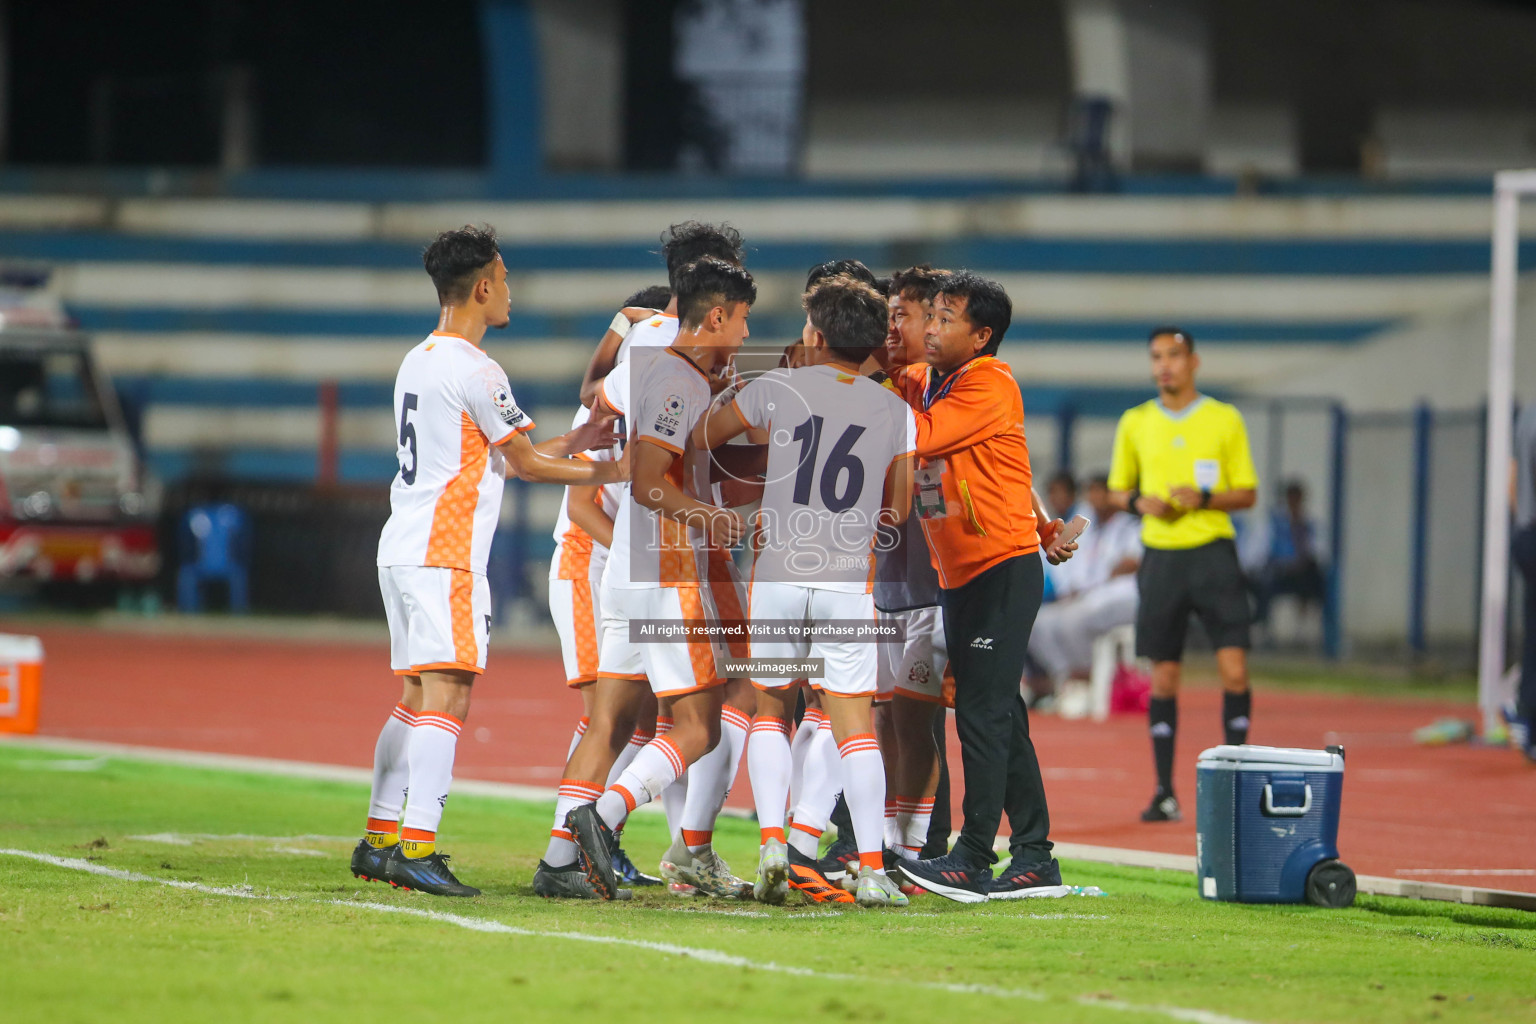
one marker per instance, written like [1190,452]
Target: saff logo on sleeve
[671,416]
[506,408]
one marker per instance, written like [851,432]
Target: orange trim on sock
[772,833]
[875,861]
[673,755]
[417,835]
[694,837]
[626,795]
[383,826]
[807,829]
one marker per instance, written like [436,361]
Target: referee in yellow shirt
[1182,462]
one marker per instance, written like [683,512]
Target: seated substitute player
[460,434]
[656,573]
[1181,461]
[840,462]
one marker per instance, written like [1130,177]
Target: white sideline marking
[708,956]
[245,892]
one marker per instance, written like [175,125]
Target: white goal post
[1508,187]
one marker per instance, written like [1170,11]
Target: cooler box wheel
[1331,883]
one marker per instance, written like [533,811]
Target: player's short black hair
[1178,332]
[683,243]
[883,286]
[831,268]
[655,297]
[919,283]
[709,282]
[456,259]
[986,304]
[849,313]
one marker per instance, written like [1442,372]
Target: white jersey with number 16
[453,406]
[832,438]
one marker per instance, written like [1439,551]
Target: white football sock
[391,767]
[822,784]
[768,769]
[863,775]
[434,738]
[573,793]
[654,768]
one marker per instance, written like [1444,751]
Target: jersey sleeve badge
[671,416]
[506,408]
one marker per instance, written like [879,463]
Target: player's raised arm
[528,463]
[606,355]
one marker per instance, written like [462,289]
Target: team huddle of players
[676,441]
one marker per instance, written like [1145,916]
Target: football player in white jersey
[840,464]
[693,802]
[460,433]
[583,535]
[654,583]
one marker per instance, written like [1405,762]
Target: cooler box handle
[1288,792]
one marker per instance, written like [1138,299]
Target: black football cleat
[368,860]
[594,848]
[569,882]
[424,874]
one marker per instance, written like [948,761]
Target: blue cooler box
[1267,826]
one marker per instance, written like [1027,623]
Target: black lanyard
[930,395]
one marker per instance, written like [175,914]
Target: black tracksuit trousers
[987,623]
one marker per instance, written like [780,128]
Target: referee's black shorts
[1206,581]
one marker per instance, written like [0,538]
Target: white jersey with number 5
[453,406]
[832,437]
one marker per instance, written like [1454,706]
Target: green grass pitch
[275,928]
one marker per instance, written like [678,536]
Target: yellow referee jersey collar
[1184,412]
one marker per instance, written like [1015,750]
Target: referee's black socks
[1234,715]
[1163,716]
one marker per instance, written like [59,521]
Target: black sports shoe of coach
[981,519]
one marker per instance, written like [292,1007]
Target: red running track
[1458,814]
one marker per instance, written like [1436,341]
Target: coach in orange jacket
[984,524]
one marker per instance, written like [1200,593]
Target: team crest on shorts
[670,417]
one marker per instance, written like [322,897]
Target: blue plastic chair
[215,546]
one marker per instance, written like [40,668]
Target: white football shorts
[672,666]
[438,618]
[915,668]
[850,667]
